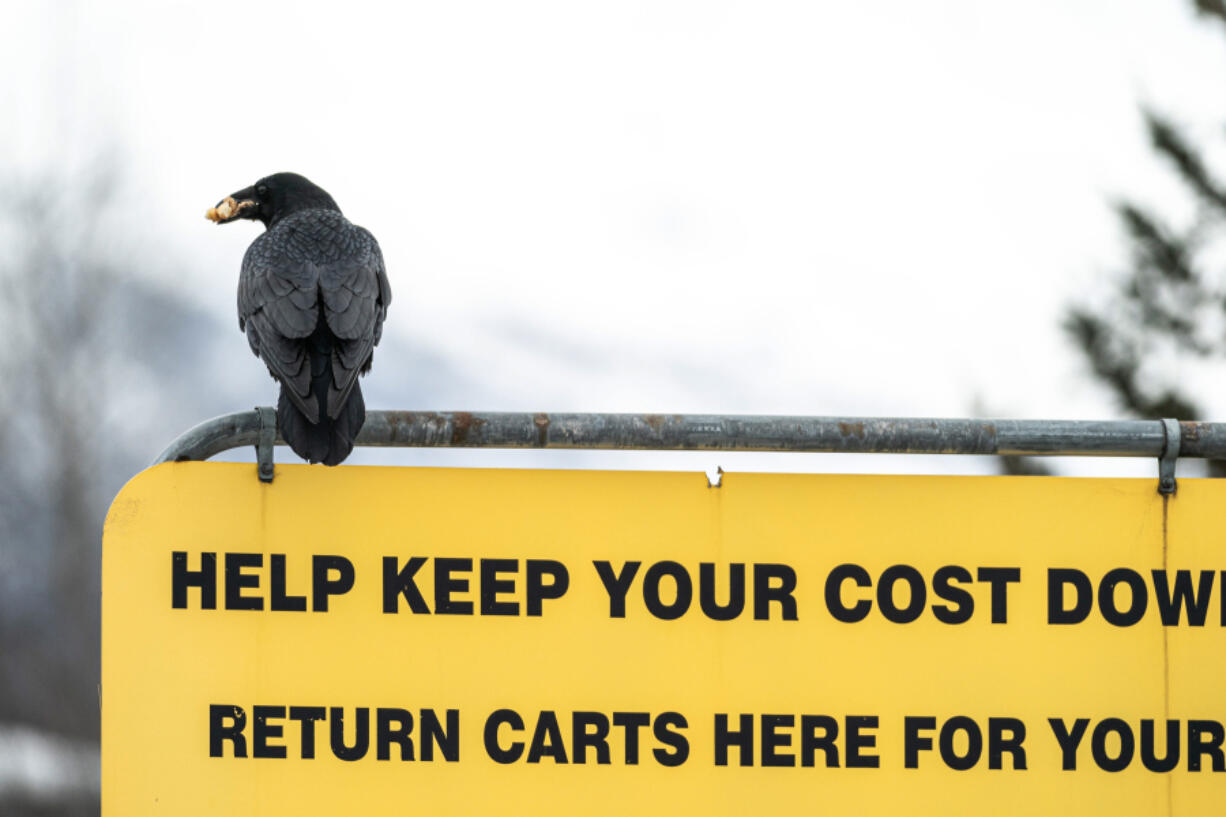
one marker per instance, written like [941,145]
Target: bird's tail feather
[331,439]
[328,441]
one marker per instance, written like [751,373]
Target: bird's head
[270,199]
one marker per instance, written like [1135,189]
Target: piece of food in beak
[226,209]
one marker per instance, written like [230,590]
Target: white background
[762,207]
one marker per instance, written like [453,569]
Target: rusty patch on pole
[398,422]
[852,430]
[541,421]
[461,423]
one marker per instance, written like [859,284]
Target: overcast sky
[797,208]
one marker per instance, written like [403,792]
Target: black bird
[312,296]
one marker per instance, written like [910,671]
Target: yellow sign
[475,642]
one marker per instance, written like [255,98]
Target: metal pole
[693,432]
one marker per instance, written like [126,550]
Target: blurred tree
[84,337]
[1166,305]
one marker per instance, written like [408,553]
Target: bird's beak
[242,204]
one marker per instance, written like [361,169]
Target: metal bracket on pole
[1170,454]
[268,436]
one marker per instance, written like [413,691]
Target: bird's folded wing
[278,308]
[287,359]
[355,294]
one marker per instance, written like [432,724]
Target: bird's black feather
[312,298]
[331,440]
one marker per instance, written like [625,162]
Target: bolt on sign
[471,642]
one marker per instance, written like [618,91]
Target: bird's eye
[262,191]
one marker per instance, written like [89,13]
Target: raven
[312,296]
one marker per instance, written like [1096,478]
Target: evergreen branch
[1156,246]
[1116,362]
[1169,142]
[1212,8]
